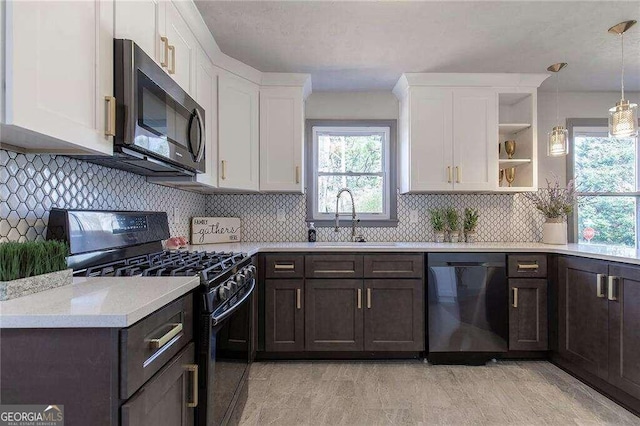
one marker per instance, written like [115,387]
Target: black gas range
[129,244]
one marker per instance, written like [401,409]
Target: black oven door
[225,363]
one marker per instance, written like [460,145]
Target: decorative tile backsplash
[30,185]
[503,217]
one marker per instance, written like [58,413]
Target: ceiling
[356,46]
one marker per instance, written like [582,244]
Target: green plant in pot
[555,203]
[31,267]
[438,224]
[453,224]
[470,224]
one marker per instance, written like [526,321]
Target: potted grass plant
[438,224]
[555,203]
[453,224]
[470,224]
[31,267]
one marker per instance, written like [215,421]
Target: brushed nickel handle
[172,49]
[369,298]
[599,291]
[193,369]
[515,297]
[612,294]
[224,168]
[165,60]
[163,340]
[297,174]
[298,298]
[359,297]
[457,174]
[284,266]
[533,266]
[448,174]
[111,116]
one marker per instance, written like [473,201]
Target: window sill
[346,223]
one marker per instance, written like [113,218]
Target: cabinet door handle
[448,174]
[369,298]
[172,49]
[165,59]
[224,169]
[193,369]
[599,290]
[284,266]
[359,298]
[515,297]
[298,298]
[612,284]
[458,174]
[297,174]
[533,266]
[166,338]
[110,129]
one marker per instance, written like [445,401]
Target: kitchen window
[605,170]
[358,155]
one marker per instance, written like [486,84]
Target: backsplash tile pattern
[30,185]
[503,217]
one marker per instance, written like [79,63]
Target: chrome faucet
[354,237]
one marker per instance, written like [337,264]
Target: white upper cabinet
[282,132]
[58,71]
[182,49]
[238,143]
[143,21]
[207,98]
[448,129]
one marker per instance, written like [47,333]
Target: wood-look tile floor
[415,393]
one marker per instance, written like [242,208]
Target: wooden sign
[211,230]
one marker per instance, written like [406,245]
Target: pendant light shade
[558,138]
[623,118]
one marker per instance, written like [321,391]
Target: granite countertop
[95,302]
[616,254]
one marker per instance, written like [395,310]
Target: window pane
[604,164]
[367,192]
[357,154]
[612,218]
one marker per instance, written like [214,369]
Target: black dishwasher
[467,307]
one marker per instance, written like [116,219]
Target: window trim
[391,182]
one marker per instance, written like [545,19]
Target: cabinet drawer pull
[515,297]
[533,266]
[224,170]
[448,174]
[297,174]
[458,174]
[165,59]
[193,369]
[284,266]
[111,116]
[172,49]
[160,342]
[359,298]
[599,290]
[368,298]
[612,284]
[298,298]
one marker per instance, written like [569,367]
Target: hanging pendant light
[623,118]
[558,138]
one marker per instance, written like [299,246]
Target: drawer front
[284,265]
[393,265]
[149,344]
[334,266]
[528,266]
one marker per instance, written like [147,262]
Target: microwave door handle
[200,137]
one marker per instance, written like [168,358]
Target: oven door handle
[218,319]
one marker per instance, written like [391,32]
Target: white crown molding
[288,79]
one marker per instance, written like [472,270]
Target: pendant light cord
[622,71]
[558,97]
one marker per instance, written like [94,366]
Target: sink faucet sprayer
[354,238]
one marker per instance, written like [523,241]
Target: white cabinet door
[182,49]
[281,139]
[59,68]
[142,21]
[207,98]
[429,159]
[475,136]
[238,144]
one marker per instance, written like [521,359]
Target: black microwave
[160,129]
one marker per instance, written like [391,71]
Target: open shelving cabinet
[517,120]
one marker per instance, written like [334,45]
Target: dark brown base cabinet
[528,315]
[349,309]
[599,319]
